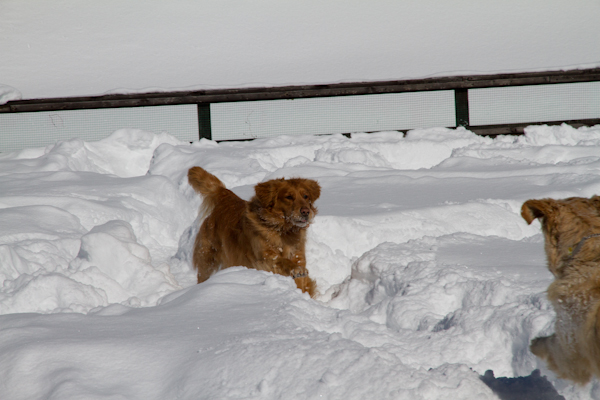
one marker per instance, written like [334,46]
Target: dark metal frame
[203,98]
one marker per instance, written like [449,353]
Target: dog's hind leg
[204,257]
[205,263]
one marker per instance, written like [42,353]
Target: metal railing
[461,85]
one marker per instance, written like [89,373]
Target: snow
[428,276]
[8,93]
[431,284]
[72,48]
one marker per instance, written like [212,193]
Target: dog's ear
[596,202]
[533,209]
[313,188]
[266,192]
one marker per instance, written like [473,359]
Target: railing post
[204,121]
[461,107]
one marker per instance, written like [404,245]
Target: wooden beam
[303,91]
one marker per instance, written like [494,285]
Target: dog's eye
[305,196]
[289,197]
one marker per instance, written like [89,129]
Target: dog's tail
[204,182]
[208,185]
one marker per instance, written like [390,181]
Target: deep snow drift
[428,276]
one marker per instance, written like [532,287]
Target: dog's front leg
[297,270]
[562,358]
[287,267]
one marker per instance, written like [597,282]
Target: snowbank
[428,276]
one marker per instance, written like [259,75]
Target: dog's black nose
[304,211]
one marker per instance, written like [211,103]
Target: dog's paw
[299,273]
[307,285]
[539,346]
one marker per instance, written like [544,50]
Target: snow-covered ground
[65,48]
[428,276]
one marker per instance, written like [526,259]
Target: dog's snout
[305,211]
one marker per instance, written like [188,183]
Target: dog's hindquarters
[214,194]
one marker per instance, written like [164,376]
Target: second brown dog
[571,229]
[267,233]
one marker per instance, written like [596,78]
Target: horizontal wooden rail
[305,91]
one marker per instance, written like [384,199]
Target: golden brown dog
[571,230]
[267,233]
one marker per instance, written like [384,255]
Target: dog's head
[567,226]
[289,202]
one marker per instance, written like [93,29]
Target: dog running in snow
[267,233]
